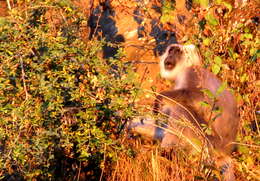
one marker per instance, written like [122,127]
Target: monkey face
[170,61]
[174,55]
[176,59]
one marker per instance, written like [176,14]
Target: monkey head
[177,58]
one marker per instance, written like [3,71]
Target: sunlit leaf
[215,69]
[206,41]
[205,104]
[229,6]
[209,93]
[3,21]
[243,149]
[218,60]
[204,3]
[221,88]
[244,77]
[211,19]
[248,35]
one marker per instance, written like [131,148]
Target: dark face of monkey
[176,59]
[174,55]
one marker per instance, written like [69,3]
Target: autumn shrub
[62,107]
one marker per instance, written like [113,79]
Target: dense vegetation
[63,107]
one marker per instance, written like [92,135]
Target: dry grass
[151,163]
[155,164]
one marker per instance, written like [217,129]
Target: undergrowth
[62,106]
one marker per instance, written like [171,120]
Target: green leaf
[244,77]
[206,41]
[209,93]
[243,149]
[229,6]
[246,30]
[208,131]
[196,141]
[204,3]
[215,69]
[249,161]
[204,103]
[248,35]
[246,98]
[255,54]
[218,60]
[252,51]
[258,53]
[218,1]
[3,21]
[64,3]
[231,53]
[167,9]
[166,18]
[221,88]
[211,19]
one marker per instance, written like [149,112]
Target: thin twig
[114,174]
[8,4]
[141,62]
[97,25]
[244,144]
[101,176]
[23,78]
[79,170]
[179,104]
[256,123]
[180,119]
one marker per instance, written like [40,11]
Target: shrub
[61,106]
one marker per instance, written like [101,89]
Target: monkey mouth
[169,65]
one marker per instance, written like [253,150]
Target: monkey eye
[174,50]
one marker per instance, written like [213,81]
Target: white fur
[181,81]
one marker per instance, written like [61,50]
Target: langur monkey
[198,98]
[182,64]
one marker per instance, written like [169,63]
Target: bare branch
[8,4]
[23,78]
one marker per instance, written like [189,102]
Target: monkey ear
[193,54]
[191,47]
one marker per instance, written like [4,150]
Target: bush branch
[23,78]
